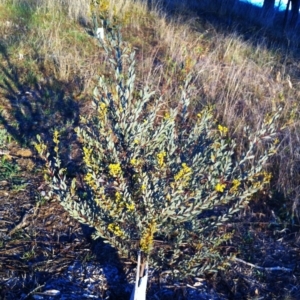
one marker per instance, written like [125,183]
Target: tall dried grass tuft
[75,9]
[242,81]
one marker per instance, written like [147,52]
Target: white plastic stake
[100,33]
[139,290]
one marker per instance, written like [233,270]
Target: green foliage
[8,169]
[160,179]
[5,138]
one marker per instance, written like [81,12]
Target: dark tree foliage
[268,7]
[294,12]
[290,21]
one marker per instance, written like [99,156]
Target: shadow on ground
[44,254]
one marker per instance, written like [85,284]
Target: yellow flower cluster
[168,197]
[101,199]
[264,176]
[135,162]
[160,158]
[118,197]
[102,110]
[235,185]
[268,119]
[267,176]
[220,187]
[167,116]
[104,6]
[56,137]
[87,156]
[121,204]
[115,170]
[184,174]
[130,206]
[40,148]
[146,241]
[56,140]
[90,181]
[223,129]
[115,229]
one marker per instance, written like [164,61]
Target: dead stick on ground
[23,223]
[33,291]
[262,268]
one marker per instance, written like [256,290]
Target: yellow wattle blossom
[102,110]
[115,229]
[40,148]
[267,176]
[56,140]
[115,170]
[223,129]
[146,241]
[89,179]
[56,137]
[220,187]
[167,116]
[136,141]
[184,173]
[258,185]
[160,158]
[134,162]
[168,197]
[235,185]
[130,206]
[87,156]
[268,119]
[118,197]
[272,151]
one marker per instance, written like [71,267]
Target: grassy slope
[47,49]
[245,83]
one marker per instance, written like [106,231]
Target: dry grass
[245,83]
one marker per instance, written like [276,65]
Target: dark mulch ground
[45,254]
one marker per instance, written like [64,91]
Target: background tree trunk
[294,13]
[268,7]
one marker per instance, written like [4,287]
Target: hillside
[50,63]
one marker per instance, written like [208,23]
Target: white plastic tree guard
[100,33]
[140,288]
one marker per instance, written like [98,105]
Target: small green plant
[40,198]
[8,169]
[5,138]
[163,180]
[28,254]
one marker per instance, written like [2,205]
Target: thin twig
[23,223]
[262,268]
[33,291]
